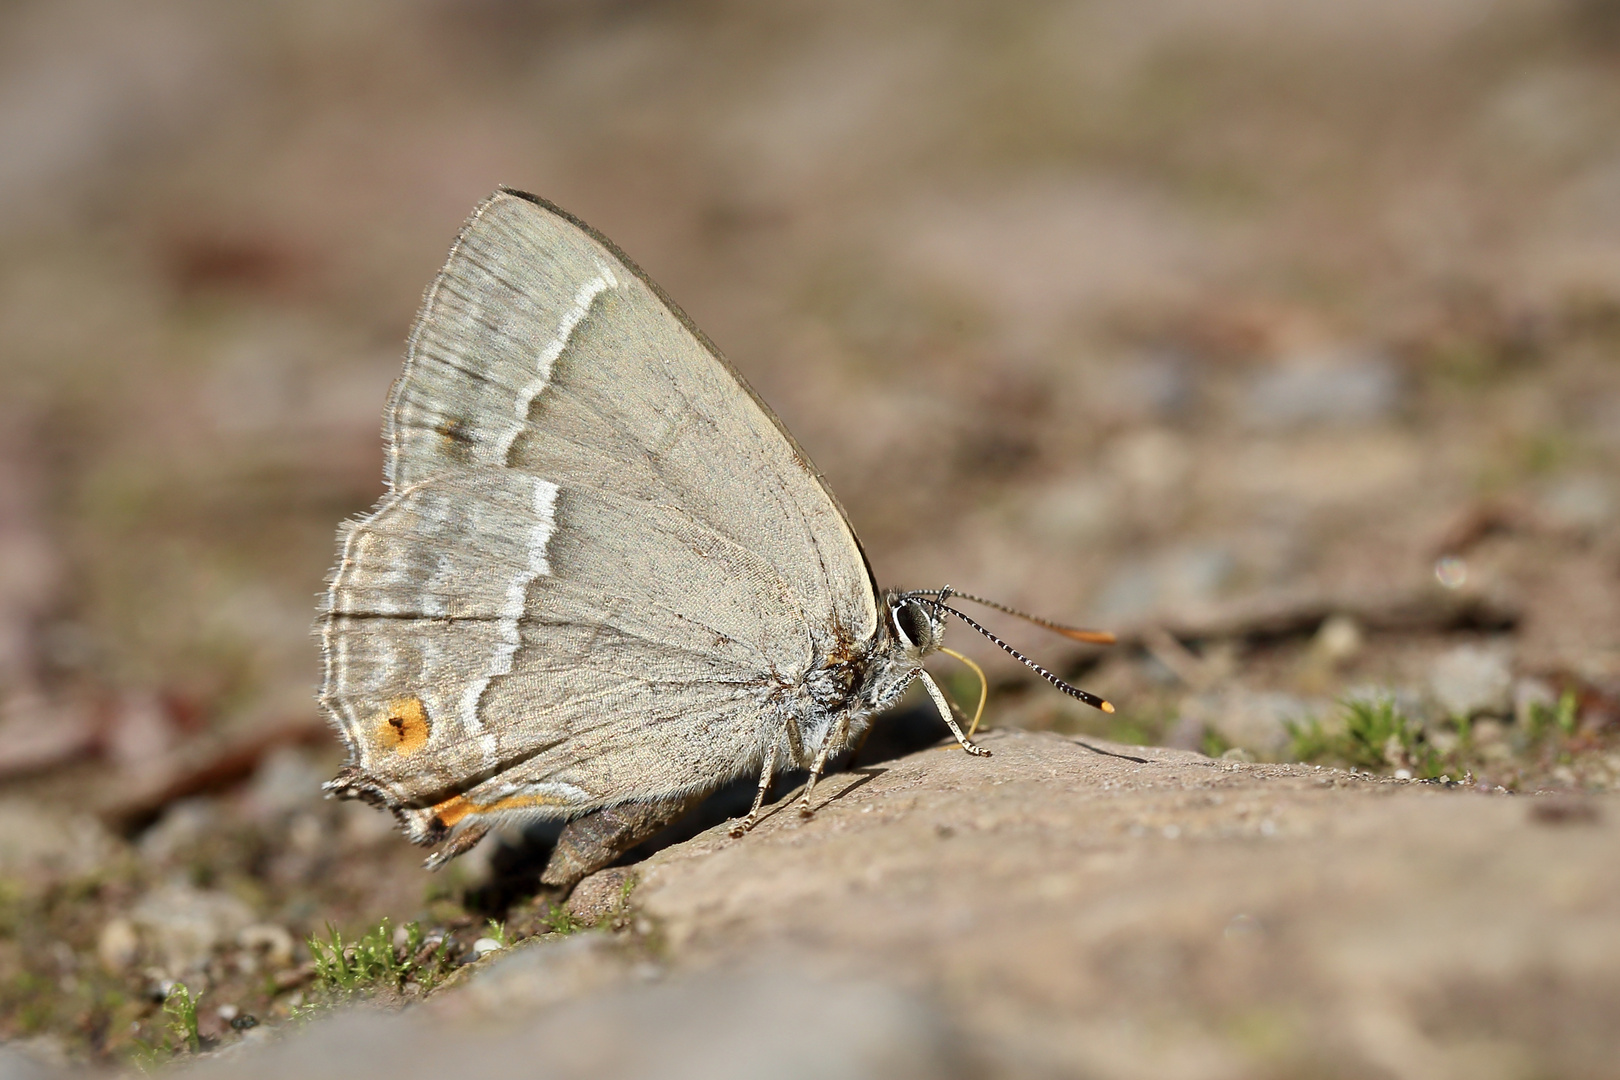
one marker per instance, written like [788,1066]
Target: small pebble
[118,946]
[272,943]
[1339,639]
[486,945]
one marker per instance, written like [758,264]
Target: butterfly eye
[911,622]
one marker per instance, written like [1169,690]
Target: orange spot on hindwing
[405,728]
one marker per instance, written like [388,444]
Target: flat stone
[1079,908]
[181,926]
[765,1021]
[36,843]
[600,895]
[1255,721]
[1472,681]
[1336,387]
[286,782]
[1184,578]
[1582,503]
[539,974]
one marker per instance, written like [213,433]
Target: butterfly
[603,579]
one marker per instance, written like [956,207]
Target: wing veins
[577,733]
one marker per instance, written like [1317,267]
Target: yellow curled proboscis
[984,687]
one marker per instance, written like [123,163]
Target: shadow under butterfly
[604,580]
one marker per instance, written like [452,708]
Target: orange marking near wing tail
[458,808]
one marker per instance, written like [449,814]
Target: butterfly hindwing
[599,557]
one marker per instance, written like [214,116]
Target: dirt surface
[1065,908]
[1280,336]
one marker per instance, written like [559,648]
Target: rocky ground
[1064,908]
[1279,336]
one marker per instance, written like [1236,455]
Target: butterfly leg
[795,743]
[839,737]
[759,797]
[944,708]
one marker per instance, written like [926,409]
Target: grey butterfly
[604,580]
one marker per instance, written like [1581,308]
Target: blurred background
[1281,336]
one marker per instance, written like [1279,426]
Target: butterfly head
[918,626]
[917,622]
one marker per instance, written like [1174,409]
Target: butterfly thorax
[860,679]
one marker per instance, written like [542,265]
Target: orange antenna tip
[1074,633]
[1091,637]
[1107,706]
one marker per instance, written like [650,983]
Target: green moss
[1375,735]
[1546,451]
[181,1009]
[1212,743]
[558,920]
[374,963]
